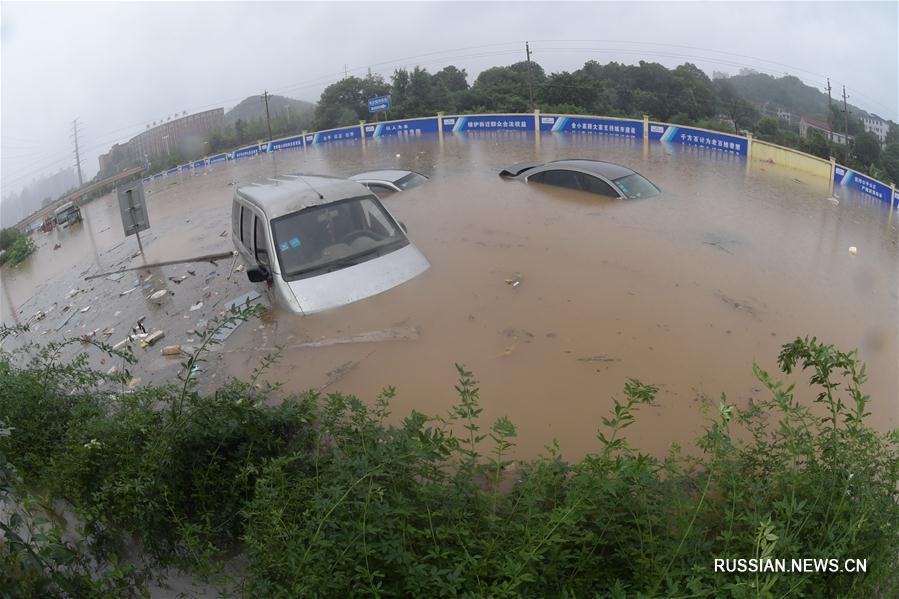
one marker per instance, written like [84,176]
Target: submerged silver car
[390,180]
[593,176]
[320,242]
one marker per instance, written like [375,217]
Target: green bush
[16,245]
[324,497]
[415,510]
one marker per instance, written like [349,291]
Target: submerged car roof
[608,170]
[392,175]
[287,194]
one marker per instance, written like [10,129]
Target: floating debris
[153,337]
[127,291]
[853,251]
[158,296]
[599,358]
[241,300]
[196,307]
[171,350]
[515,279]
[738,304]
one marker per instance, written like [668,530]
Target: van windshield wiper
[348,261]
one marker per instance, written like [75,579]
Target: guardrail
[537,123]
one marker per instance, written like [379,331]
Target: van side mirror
[258,274]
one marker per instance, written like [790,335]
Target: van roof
[287,194]
[65,206]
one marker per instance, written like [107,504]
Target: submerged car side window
[598,186]
[559,178]
[261,243]
[246,227]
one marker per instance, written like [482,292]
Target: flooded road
[684,290]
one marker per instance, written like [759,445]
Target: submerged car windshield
[324,238]
[411,180]
[635,186]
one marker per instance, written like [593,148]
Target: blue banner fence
[583,125]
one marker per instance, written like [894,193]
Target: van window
[246,227]
[261,243]
[235,218]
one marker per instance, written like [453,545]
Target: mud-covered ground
[684,290]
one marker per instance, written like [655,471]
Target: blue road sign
[378,104]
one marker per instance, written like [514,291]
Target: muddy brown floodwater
[684,290]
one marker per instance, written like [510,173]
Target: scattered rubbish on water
[139,325]
[196,306]
[171,350]
[512,333]
[515,279]
[57,246]
[158,296]
[112,371]
[853,251]
[85,309]
[239,268]
[65,320]
[133,383]
[834,201]
[116,276]
[738,304]
[127,291]
[599,358]
[153,337]
[225,331]
[177,280]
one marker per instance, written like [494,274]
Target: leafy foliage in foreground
[325,497]
[16,246]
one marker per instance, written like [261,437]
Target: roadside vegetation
[15,246]
[324,495]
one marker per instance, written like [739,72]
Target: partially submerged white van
[320,242]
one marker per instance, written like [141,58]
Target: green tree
[889,162]
[768,128]
[866,150]
[734,105]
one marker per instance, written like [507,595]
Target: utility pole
[346,73]
[267,119]
[845,117]
[527,50]
[77,154]
[829,110]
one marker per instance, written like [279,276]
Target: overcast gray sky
[119,66]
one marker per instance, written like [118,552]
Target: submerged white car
[320,242]
[390,180]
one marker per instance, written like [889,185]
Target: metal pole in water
[139,244]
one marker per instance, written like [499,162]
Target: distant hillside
[787,92]
[254,108]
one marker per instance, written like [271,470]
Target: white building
[809,122]
[876,125]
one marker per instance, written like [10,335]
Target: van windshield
[332,236]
